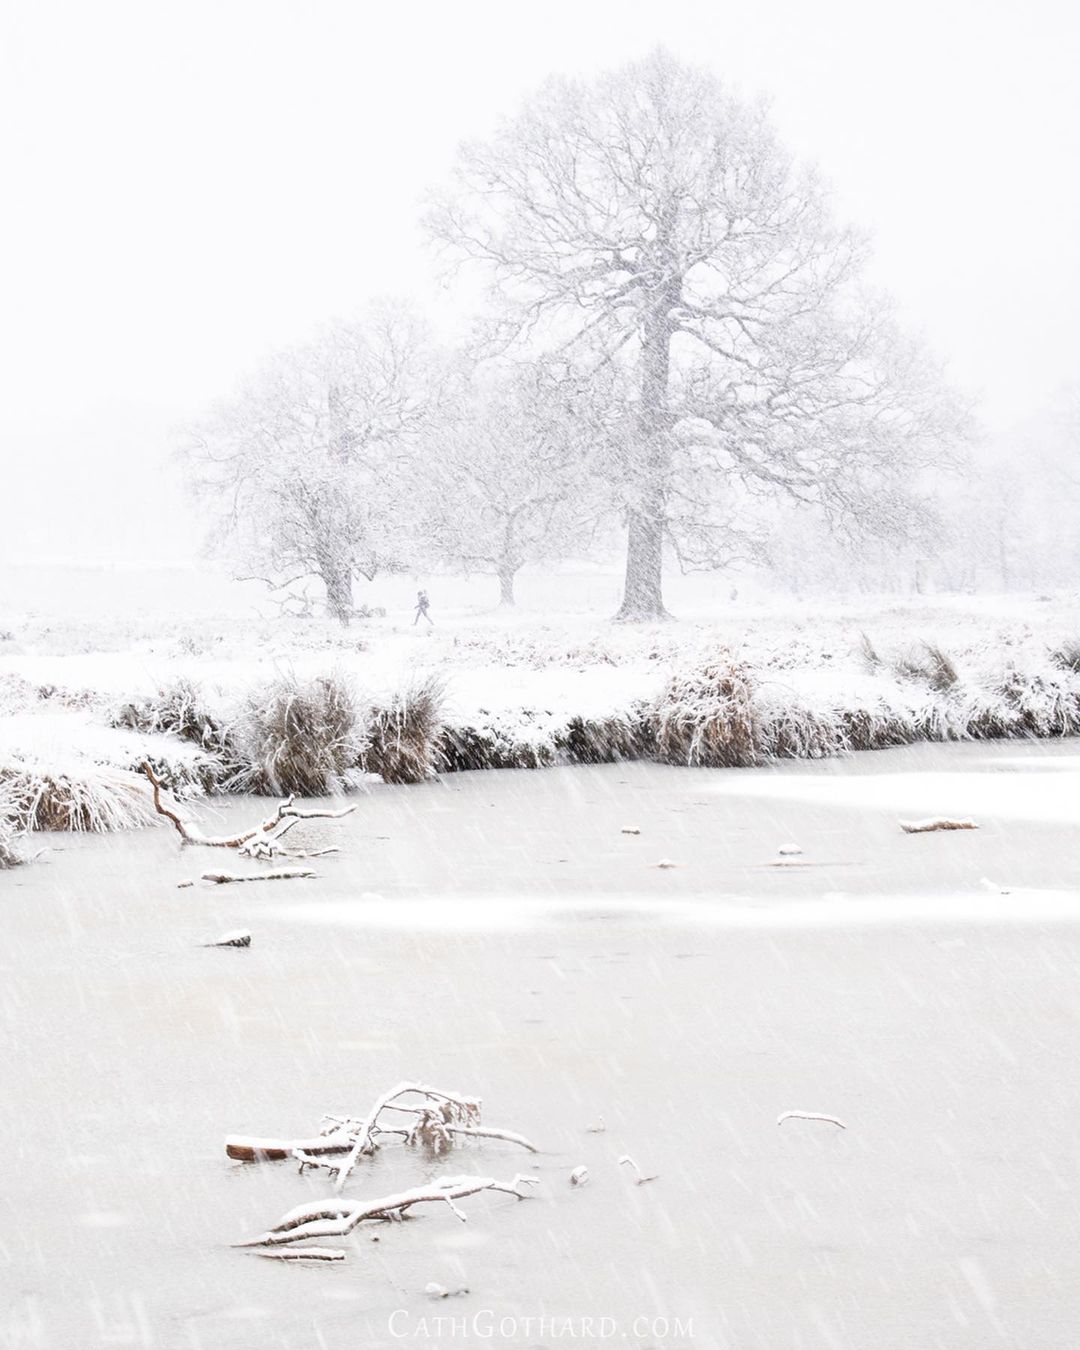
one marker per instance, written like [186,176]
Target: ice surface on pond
[564,980]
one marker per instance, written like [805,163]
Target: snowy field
[78,647]
[500,935]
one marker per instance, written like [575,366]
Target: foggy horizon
[190,195]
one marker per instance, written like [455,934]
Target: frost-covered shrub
[605,740]
[1067,656]
[489,746]
[403,735]
[1044,706]
[11,827]
[929,664]
[708,716]
[83,796]
[299,736]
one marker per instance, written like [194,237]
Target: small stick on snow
[809,1115]
[336,1218]
[639,1178]
[933,823]
[282,874]
[630,829]
[306,1254]
[666,862]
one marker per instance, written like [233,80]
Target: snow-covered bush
[81,796]
[708,715]
[301,736]
[403,734]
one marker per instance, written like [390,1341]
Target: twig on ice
[809,1115]
[933,823]
[336,1218]
[306,1254]
[281,874]
[639,1178]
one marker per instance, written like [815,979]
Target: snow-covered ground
[77,646]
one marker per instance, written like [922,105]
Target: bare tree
[304,467]
[651,222]
[508,480]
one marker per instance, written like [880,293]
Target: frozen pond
[498,934]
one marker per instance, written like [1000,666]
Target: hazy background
[186,186]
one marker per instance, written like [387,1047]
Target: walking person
[422,609]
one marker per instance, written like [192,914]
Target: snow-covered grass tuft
[82,796]
[708,715]
[403,734]
[181,709]
[299,736]
[11,827]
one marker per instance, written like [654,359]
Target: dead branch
[281,874]
[809,1115]
[306,1254]
[935,823]
[261,841]
[336,1218]
[438,1120]
[639,1177]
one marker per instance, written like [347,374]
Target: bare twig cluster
[422,1115]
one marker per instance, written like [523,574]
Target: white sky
[187,185]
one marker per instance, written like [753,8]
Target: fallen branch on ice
[281,874]
[306,1254]
[933,823]
[336,1218]
[639,1177]
[809,1115]
[261,841]
[438,1119]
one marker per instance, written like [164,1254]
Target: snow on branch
[337,1218]
[261,841]
[438,1120]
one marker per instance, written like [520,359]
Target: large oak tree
[650,223]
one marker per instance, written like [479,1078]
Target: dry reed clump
[300,737]
[794,731]
[1042,706]
[929,664]
[709,716]
[180,709]
[11,828]
[877,726]
[89,797]
[1067,656]
[605,740]
[490,747]
[403,737]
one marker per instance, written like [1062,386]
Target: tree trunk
[643,598]
[339,597]
[506,587]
